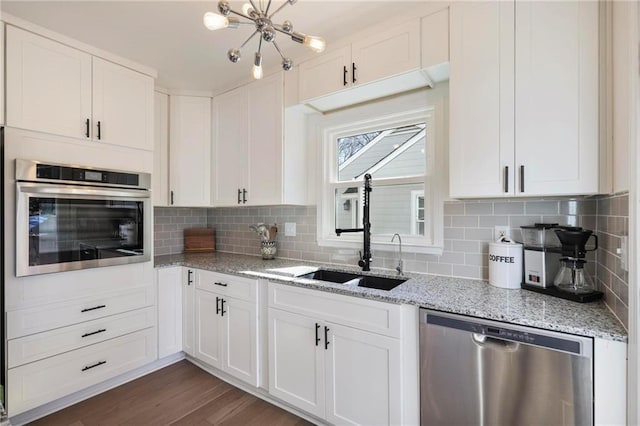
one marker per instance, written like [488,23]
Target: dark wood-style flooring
[180,394]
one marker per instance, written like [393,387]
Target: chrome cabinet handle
[94,308]
[89,367]
[102,330]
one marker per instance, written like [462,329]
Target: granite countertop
[456,295]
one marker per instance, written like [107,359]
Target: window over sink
[400,143]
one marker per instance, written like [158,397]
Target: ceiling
[170,37]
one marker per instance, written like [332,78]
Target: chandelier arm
[266,12]
[279,9]
[249,39]
[280,30]
[242,14]
[259,44]
[257,9]
[277,48]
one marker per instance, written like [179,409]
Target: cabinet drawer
[38,383]
[227,285]
[42,345]
[377,317]
[37,319]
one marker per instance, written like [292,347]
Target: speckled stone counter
[456,295]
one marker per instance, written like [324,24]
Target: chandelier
[259,17]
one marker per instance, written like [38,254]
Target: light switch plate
[290,229]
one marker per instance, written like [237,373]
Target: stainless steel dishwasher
[481,372]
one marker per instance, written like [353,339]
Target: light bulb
[317,44]
[213,21]
[247,9]
[257,66]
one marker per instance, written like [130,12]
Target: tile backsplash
[468,230]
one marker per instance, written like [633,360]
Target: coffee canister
[505,264]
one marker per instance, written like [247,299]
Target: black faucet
[365,254]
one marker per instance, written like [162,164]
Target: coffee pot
[571,276]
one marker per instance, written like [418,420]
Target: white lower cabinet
[335,371]
[169,281]
[188,311]
[226,327]
[37,383]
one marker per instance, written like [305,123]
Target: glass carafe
[571,277]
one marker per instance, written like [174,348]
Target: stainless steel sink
[369,281]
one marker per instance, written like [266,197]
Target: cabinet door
[296,361]
[169,311]
[48,85]
[160,184]
[264,171]
[240,322]
[190,151]
[386,53]
[325,74]
[230,147]
[556,97]
[481,129]
[188,311]
[1,75]
[208,341]
[122,106]
[363,372]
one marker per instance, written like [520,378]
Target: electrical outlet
[500,232]
[290,229]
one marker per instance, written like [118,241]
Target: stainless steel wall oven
[72,217]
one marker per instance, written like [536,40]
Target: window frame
[427,106]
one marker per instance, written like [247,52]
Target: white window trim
[413,107]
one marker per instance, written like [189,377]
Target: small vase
[268,249]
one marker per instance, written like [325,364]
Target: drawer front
[377,317]
[38,383]
[49,343]
[227,285]
[23,322]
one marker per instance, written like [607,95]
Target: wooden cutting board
[199,240]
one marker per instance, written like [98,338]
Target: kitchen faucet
[399,267]
[365,254]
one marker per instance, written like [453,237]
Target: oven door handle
[88,192]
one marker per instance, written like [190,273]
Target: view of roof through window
[397,152]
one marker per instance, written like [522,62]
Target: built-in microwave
[73,217]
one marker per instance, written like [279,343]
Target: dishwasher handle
[485,341]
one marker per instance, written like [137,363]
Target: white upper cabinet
[1,75]
[374,66]
[253,164]
[524,104]
[481,107]
[54,88]
[190,151]
[230,148]
[122,106]
[48,85]
[556,97]
[160,183]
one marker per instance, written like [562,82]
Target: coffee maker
[560,262]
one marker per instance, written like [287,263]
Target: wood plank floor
[180,394]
